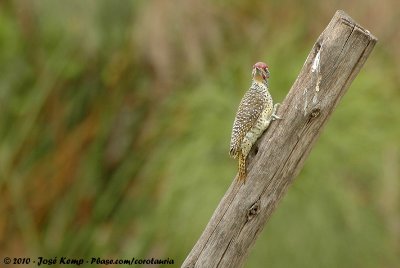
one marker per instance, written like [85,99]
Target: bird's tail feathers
[242,168]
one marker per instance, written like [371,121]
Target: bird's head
[260,72]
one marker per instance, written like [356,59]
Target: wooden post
[279,154]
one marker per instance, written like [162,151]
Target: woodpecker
[255,113]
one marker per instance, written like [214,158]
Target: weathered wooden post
[333,63]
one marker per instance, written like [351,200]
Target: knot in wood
[253,210]
[315,112]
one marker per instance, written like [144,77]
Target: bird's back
[250,109]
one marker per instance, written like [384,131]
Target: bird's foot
[274,116]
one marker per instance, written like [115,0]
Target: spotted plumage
[255,112]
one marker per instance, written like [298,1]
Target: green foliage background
[115,121]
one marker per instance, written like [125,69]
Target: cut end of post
[341,15]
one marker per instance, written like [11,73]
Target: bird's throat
[259,79]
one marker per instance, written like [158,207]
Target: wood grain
[278,156]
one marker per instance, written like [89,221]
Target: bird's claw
[274,115]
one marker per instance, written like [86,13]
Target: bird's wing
[250,109]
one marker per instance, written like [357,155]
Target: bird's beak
[264,73]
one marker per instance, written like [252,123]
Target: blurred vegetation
[115,121]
